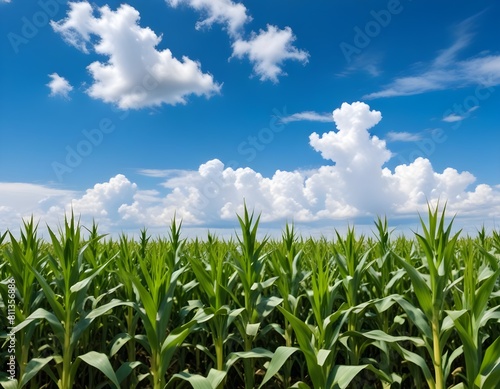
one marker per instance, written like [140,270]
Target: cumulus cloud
[446,71]
[136,74]
[59,86]
[232,15]
[353,184]
[268,49]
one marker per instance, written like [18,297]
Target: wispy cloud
[160,173]
[393,136]
[446,71]
[454,117]
[59,86]
[365,62]
[309,116]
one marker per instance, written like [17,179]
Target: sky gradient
[320,113]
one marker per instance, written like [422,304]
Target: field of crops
[345,311]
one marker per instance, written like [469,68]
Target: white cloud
[59,86]
[309,116]
[159,173]
[352,186]
[233,15]
[136,74]
[446,71]
[21,200]
[368,62]
[393,136]
[451,118]
[268,49]
[4,1]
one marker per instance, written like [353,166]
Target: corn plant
[286,260]
[125,270]
[160,269]
[70,317]
[19,257]
[431,289]
[482,369]
[250,264]
[352,311]
[217,281]
[318,342]
[352,261]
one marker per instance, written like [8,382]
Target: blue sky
[129,112]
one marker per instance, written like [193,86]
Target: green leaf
[304,337]
[252,329]
[415,315]
[279,358]
[300,385]
[263,285]
[8,384]
[32,368]
[489,372]
[173,339]
[148,304]
[83,284]
[101,362]
[322,356]
[341,376]
[197,381]
[216,377]
[483,294]
[49,295]
[384,337]
[383,304]
[420,362]
[253,353]
[125,369]
[265,305]
[41,313]
[420,287]
[118,342]
[85,321]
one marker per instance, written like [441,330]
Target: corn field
[82,310]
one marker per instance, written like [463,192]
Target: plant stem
[437,360]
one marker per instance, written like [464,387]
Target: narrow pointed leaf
[101,362]
[279,358]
